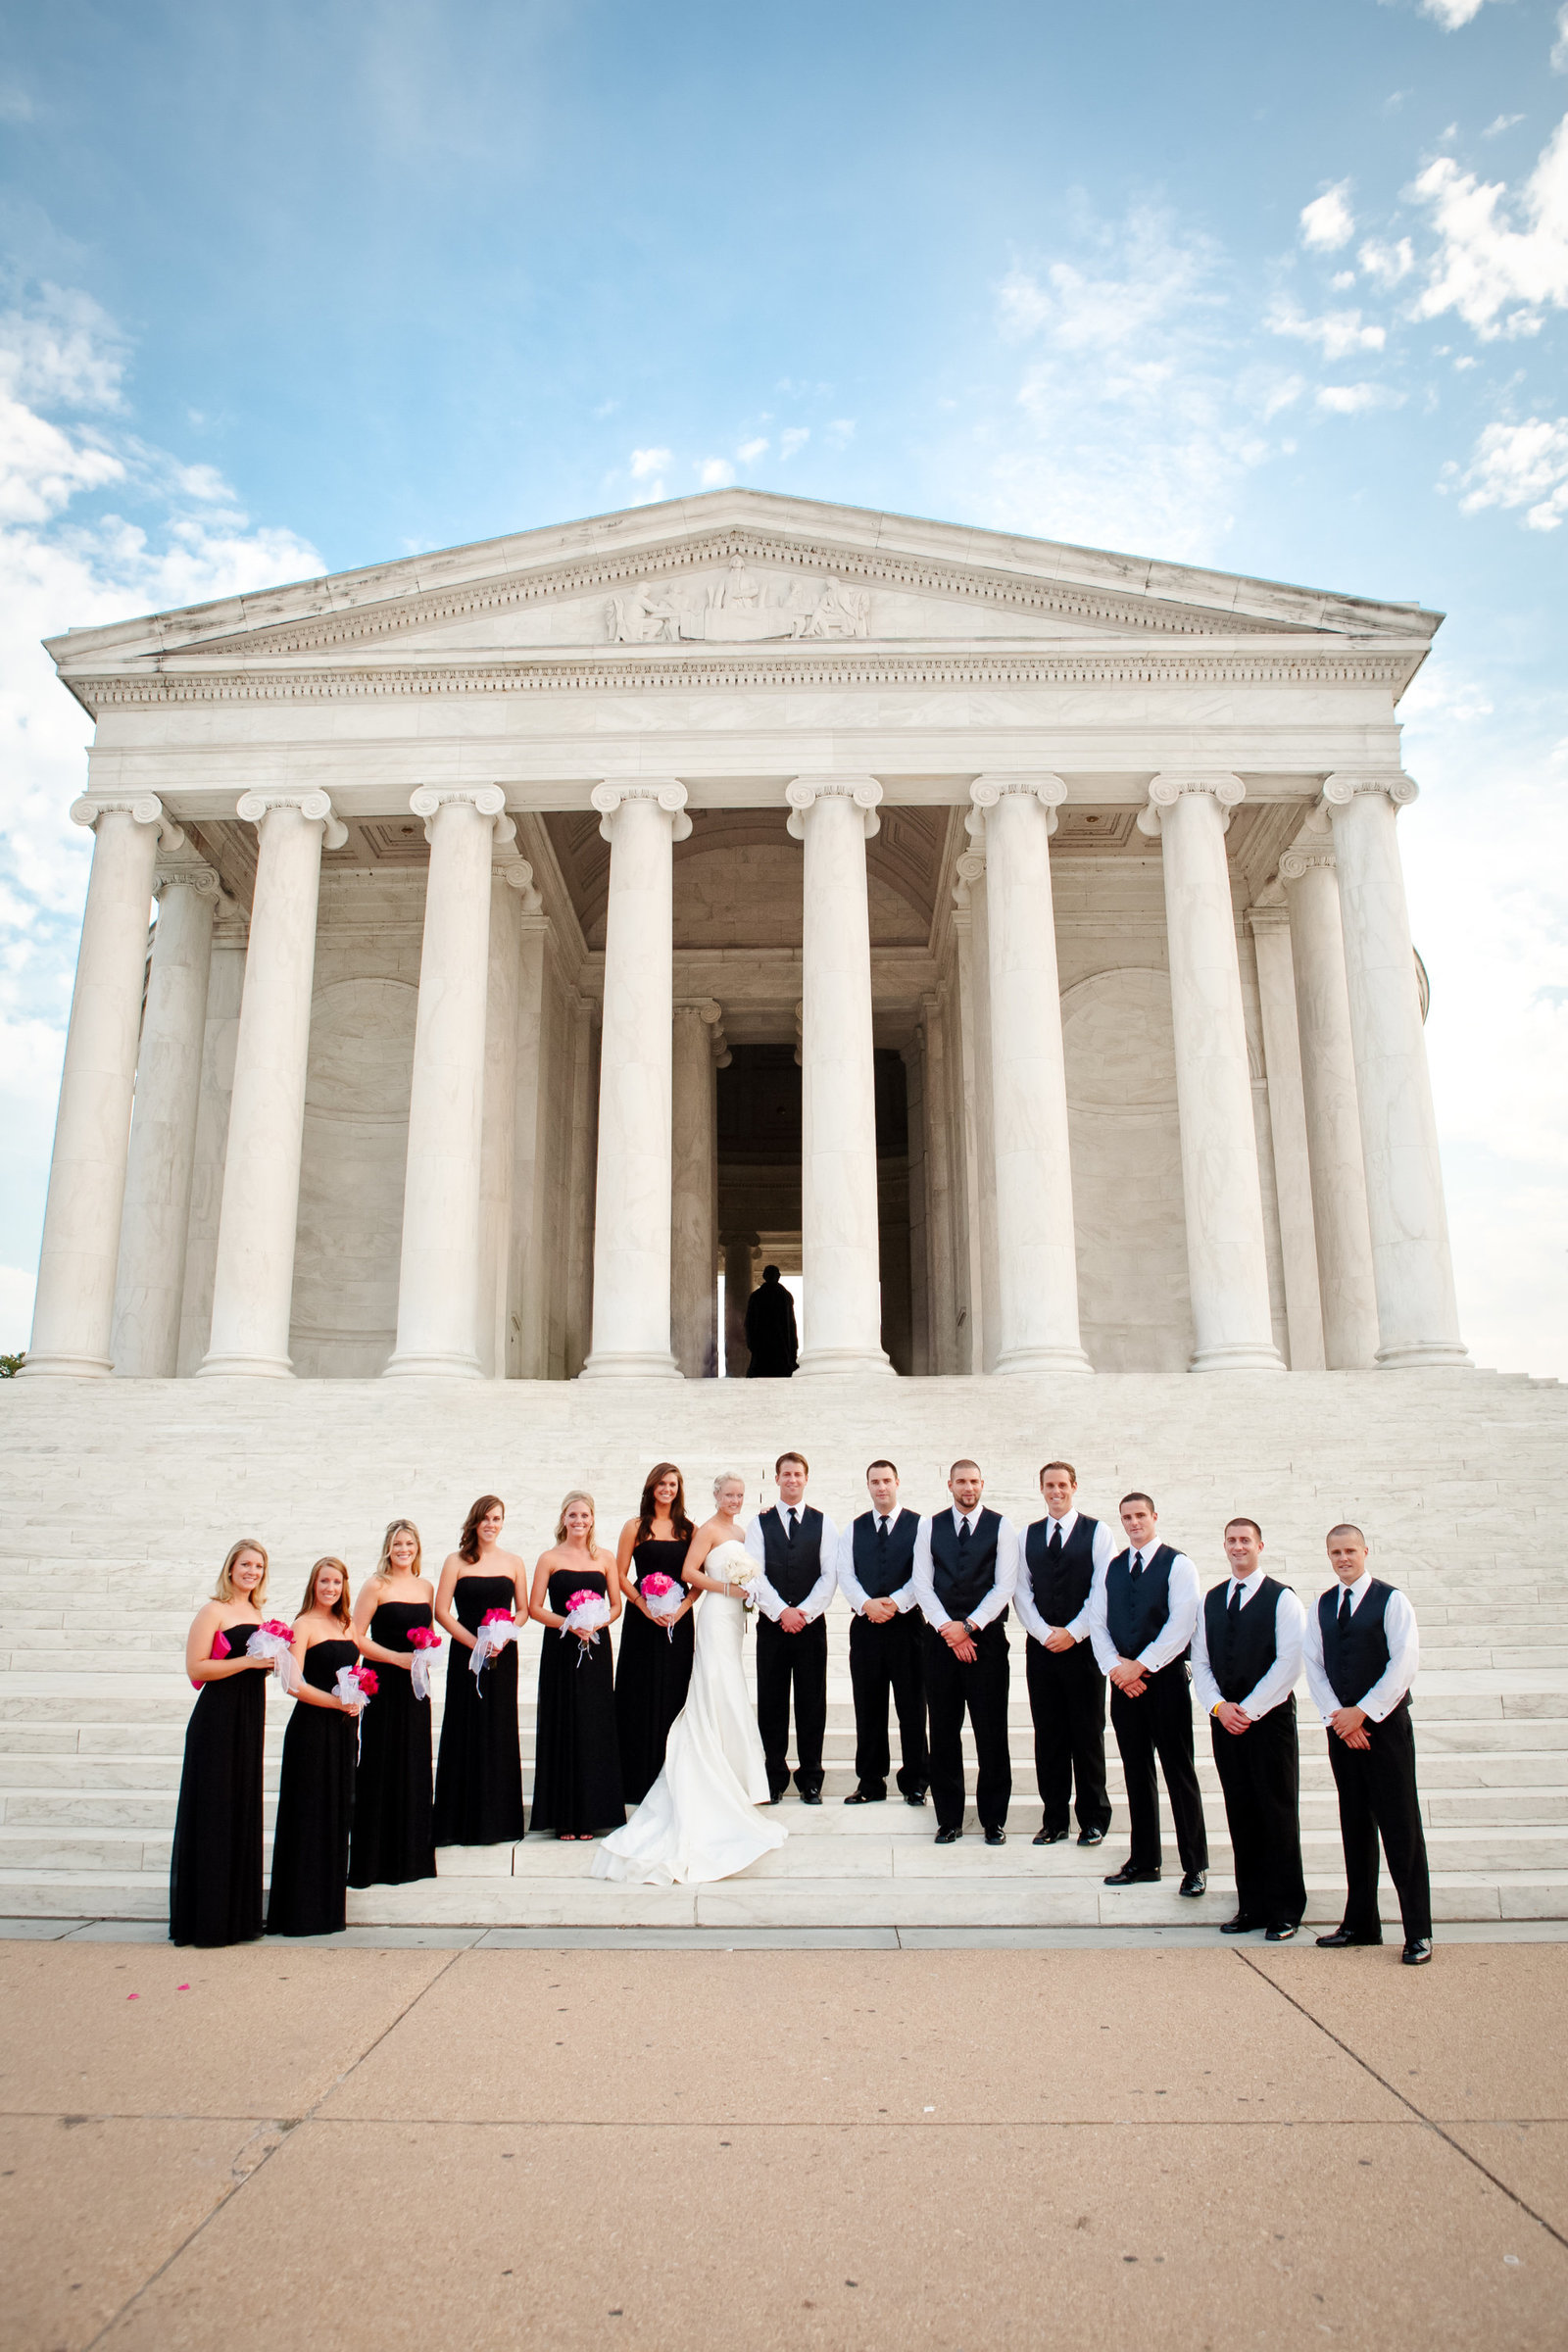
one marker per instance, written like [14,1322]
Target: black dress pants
[981,1690]
[1067,1701]
[1378,1796]
[798,1661]
[1160,1723]
[1261,1775]
[884,1661]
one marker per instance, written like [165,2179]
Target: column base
[1241,1355]
[245,1367]
[1044,1359]
[431,1363]
[66,1367]
[630,1363]
[816,1361]
[1421,1356]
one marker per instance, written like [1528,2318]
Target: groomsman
[1140,1617]
[1063,1555]
[1361,1654]
[876,1577]
[965,1571]
[1246,1655]
[795,1546]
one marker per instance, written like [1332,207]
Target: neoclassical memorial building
[1009,937]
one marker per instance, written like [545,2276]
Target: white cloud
[1517,465]
[794,437]
[750,451]
[840,431]
[646,462]
[1354,400]
[1337,333]
[1327,222]
[1451,14]
[1497,277]
[1500,124]
[1559,47]
[1387,264]
[715,473]
[1284,395]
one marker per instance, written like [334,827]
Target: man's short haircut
[1242,1520]
[1345,1526]
[791,1457]
[963,1462]
[1068,1466]
[770,1274]
[881,1463]
[1135,1497]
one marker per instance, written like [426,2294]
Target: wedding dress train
[699,1819]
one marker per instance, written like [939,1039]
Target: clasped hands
[1350,1724]
[960,1642]
[1130,1678]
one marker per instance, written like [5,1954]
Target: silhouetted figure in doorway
[770,1329]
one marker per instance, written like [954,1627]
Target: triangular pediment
[730,569]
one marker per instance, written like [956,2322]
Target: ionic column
[438,1274]
[938,1163]
[1037,1260]
[154,1227]
[1227,1261]
[699,1048]
[739,1262]
[252,1282]
[72,1315]
[632,1202]
[973,1138]
[1418,1316]
[1287,1127]
[1345,1283]
[839,1239]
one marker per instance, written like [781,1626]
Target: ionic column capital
[428,801]
[670,796]
[517,875]
[987,791]
[195,876]
[1302,859]
[968,869]
[1167,788]
[255,807]
[806,791]
[145,806]
[1342,788]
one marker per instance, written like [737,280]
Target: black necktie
[1344,1605]
[1138,1566]
[1235,1609]
[881,1535]
[964,1534]
[1054,1540]
[792,1527]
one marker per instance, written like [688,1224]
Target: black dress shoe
[1418,1952]
[1341,1940]
[948,1837]
[916,1800]
[811,1797]
[1051,1838]
[996,1836]
[1128,1877]
[1280,1932]
[867,1796]
[1091,1836]
[1240,1925]
[1194,1883]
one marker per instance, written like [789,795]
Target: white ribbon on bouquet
[488,1641]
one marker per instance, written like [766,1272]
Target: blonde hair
[396,1527]
[226,1592]
[340,1609]
[728,1478]
[577,1495]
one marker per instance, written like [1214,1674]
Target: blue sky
[1283,290]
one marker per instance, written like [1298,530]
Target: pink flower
[365,1677]
[496,1617]
[276,1625]
[583,1600]
[424,1636]
[657,1585]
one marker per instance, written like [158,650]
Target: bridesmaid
[577,1775]
[654,1667]
[316,1788]
[479,1774]
[215,1874]
[393,1831]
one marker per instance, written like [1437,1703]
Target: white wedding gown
[699,1819]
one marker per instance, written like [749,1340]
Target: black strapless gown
[576,1772]
[215,1873]
[393,1831]
[652,1673]
[478,1773]
[315,1807]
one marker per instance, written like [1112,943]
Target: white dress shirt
[1404,1653]
[995,1603]
[1276,1685]
[1177,1630]
[850,1583]
[817,1600]
[1023,1599]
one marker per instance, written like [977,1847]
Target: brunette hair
[226,1592]
[1347,1527]
[340,1609]
[791,1457]
[1242,1520]
[1136,1497]
[469,1540]
[1068,1466]
[881,1463]
[576,1494]
[396,1527]
[965,1462]
[648,1508]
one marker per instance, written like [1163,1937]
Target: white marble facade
[1009,936]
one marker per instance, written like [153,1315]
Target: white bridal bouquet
[734,1565]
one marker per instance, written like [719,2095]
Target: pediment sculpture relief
[736,607]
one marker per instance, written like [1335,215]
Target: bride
[699,1819]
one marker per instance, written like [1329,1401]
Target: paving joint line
[1431,2123]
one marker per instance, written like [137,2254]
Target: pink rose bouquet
[355,1686]
[274,1640]
[425,1642]
[586,1612]
[497,1626]
[664,1599]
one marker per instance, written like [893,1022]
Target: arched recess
[1134,1309]
[350,1231]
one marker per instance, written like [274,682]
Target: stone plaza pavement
[454,2142]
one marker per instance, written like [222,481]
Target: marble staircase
[117,1500]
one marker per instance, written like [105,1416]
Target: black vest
[1134,1615]
[880,1577]
[1356,1658]
[1242,1643]
[792,1568]
[1060,1587]
[961,1591]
